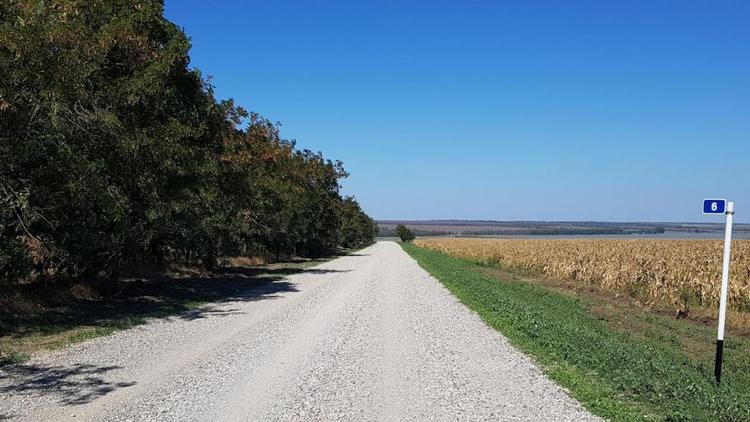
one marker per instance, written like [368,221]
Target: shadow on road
[137,299]
[78,384]
[206,311]
[182,298]
[127,303]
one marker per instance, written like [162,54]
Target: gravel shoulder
[369,336]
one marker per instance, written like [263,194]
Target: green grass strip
[613,374]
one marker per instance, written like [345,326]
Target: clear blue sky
[523,110]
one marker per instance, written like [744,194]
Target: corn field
[675,273]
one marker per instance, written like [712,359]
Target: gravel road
[369,336]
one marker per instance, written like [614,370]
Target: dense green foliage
[614,374]
[114,152]
[404,233]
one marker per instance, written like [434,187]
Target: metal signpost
[721,206]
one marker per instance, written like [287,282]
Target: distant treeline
[566,232]
[466,226]
[114,152]
[390,232]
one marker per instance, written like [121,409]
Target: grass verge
[641,371]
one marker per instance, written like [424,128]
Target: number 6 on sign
[714,206]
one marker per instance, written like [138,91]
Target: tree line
[114,152]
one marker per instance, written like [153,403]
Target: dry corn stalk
[680,273]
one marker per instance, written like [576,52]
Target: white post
[724,291]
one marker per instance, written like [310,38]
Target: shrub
[404,233]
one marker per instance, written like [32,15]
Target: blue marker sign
[714,206]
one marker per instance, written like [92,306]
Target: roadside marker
[721,206]
[714,206]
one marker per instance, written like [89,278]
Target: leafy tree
[355,227]
[115,152]
[404,233]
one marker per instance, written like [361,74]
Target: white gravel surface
[370,336]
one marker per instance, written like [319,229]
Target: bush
[404,233]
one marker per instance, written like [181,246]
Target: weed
[13,357]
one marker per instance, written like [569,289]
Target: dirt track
[370,336]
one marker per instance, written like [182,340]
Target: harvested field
[675,273]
